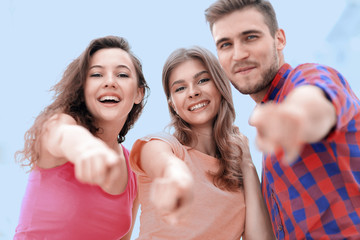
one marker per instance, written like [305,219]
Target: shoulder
[319,75]
[311,69]
[161,136]
[305,66]
[156,144]
[161,139]
[58,119]
[49,140]
[61,118]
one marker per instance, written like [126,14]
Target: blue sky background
[40,38]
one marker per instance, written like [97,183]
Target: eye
[179,89]
[96,75]
[203,80]
[224,45]
[123,75]
[251,37]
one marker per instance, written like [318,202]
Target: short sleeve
[175,145]
[335,87]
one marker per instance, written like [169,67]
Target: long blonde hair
[69,98]
[226,135]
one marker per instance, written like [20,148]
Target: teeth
[109,98]
[197,106]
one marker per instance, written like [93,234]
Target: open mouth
[199,105]
[109,99]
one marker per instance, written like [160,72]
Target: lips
[198,105]
[244,69]
[109,98]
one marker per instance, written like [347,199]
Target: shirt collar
[277,83]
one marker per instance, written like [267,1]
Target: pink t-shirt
[214,213]
[57,206]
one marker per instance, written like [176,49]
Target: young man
[307,120]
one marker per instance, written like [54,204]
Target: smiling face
[193,94]
[247,52]
[111,86]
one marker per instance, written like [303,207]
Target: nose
[240,52]
[194,92]
[110,82]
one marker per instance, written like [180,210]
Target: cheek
[266,54]
[176,102]
[218,101]
[89,93]
[224,61]
[135,93]
[221,57]
[216,95]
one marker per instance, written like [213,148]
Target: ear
[280,39]
[140,95]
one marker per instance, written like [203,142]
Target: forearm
[172,183]
[66,141]
[157,157]
[257,222]
[316,112]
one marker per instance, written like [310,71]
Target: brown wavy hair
[226,135]
[69,98]
[222,8]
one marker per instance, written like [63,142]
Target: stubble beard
[267,76]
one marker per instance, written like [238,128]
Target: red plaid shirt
[317,197]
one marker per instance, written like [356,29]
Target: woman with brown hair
[193,184]
[81,185]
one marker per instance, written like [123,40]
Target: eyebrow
[177,82]
[241,34]
[118,66]
[194,77]
[200,73]
[221,40]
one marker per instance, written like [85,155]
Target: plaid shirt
[318,196]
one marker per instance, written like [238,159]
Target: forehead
[110,57]
[187,69]
[239,21]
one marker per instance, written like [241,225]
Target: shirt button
[280,228]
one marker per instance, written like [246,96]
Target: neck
[205,141]
[259,96]
[109,134]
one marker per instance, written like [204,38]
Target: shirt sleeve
[175,145]
[335,87]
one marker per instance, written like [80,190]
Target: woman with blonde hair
[81,185]
[194,183]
